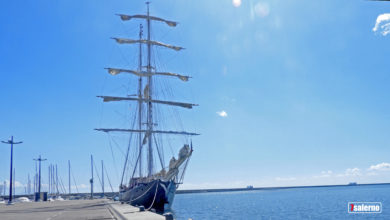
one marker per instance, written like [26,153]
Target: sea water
[296,203]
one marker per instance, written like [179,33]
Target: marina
[163,110]
[142,183]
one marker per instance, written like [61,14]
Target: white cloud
[260,9]
[353,172]
[285,178]
[382,24]
[236,3]
[224,70]
[83,186]
[222,114]
[380,167]
[325,174]
[80,186]
[213,185]
[17,184]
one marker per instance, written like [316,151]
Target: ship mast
[149,97]
[140,102]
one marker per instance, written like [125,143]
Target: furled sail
[130,41]
[145,140]
[174,165]
[146,92]
[116,71]
[128,17]
[143,131]
[114,98]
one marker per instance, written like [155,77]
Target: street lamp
[39,184]
[11,142]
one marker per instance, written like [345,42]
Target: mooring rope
[155,194]
[131,200]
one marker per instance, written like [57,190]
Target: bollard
[168,216]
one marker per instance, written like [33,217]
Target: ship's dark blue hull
[151,195]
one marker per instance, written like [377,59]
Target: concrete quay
[98,209]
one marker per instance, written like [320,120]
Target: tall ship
[148,179]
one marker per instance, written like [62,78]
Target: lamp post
[91,180]
[11,142]
[39,184]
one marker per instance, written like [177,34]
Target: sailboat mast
[149,92]
[91,181]
[102,178]
[48,191]
[140,102]
[69,176]
[29,185]
[58,192]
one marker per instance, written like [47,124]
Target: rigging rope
[127,153]
[112,189]
[61,186]
[74,181]
[113,157]
[117,146]
[97,173]
[159,153]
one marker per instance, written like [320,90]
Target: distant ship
[146,186]
[352,184]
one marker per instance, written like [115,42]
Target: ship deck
[75,209]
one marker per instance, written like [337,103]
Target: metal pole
[69,175]
[11,142]
[150,118]
[14,188]
[53,180]
[92,177]
[49,179]
[39,177]
[140,103]
[39,174]
[10,178]
[57,180]
[102,179]
[28,184]
[36,178]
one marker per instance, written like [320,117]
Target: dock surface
[98,209]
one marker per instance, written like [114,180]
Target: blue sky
[303,84]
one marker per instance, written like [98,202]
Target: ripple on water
[301,203]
